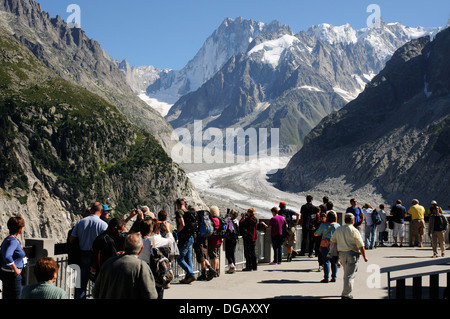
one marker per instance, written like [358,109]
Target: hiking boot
[202,277]
[188,280]
[210,274]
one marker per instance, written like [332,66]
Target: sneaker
[420,245]
[231,270]
[324,281]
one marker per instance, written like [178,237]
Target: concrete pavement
[300,279]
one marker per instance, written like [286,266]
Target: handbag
[326,242]
[332,251]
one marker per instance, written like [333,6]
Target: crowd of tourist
[137,263]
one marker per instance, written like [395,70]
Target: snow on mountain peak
[273,49]
[334,34]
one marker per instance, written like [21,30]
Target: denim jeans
[370,235]
[349,261]
[328,264]
[277,244]
[12,285]
[184,259]
[85,268]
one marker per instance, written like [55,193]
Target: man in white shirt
[349,245]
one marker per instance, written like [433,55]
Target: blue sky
[168,33]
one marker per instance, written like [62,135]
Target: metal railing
[66,275]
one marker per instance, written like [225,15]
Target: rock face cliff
[63,146]
[80,60]
[393,139]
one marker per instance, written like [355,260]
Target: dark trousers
[277,245]
[230,248]
[12,285]
[307,237]
[250,254]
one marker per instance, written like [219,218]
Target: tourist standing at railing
[349,245]
[432,206]
[276,225]
[108,244]
[382,232]
[371,227]
[357,213]
[308,216]
[86,231]
[398,212]
[248,228]
[326,231]
[46,272]
[187,225]
[13,259]
[437,227]
[215,242]
[291,239]
[231,241]
[417,213]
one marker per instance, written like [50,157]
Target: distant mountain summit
[278,79]
[393,140]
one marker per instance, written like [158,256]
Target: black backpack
[222,231]
[190,223]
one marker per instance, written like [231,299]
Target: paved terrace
[300,278]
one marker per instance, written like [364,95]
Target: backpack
[221,232]
[376,217]
[161,268]
[190,223]
[230,229]
[206,225]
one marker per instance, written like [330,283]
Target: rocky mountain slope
[80,60]
[291,81]
[393,141]
[63,146]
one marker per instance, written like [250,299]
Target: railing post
[434,286]
[417,287]
[400,291]
[42,247]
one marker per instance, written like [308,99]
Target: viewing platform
[300,278]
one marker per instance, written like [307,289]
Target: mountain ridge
[404,114]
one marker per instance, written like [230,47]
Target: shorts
[201,249]
[291,239]
[399,230]
[214,251]
[418,227]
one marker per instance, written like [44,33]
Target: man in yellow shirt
[349,245]
[417,213]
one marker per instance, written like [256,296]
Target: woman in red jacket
[248,228]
